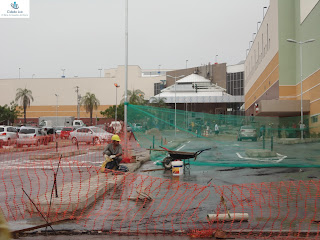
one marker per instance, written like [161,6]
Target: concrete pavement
[78,195]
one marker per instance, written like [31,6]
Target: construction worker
[113,151]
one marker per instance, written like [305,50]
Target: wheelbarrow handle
[200,151]
[165,148]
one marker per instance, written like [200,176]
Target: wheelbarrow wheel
[167,163]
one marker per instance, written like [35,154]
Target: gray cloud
[82,36]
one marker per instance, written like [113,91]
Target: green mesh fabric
[264,141]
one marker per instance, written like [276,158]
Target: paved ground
[207,167]
[16,167]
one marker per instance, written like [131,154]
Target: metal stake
[39,211]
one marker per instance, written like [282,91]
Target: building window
[314,119]
[235,83]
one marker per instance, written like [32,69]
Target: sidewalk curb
[55,155]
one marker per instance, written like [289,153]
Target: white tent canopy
[196,89]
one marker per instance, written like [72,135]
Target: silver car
[32,136]
[90,135]
[247,132]
[8,135]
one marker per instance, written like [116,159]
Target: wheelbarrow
[177,155]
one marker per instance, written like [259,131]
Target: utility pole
[78,102]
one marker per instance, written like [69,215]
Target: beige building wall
[261,65]
[306,7]
[44,90]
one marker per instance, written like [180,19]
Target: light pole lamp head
[291,40]
[309,41]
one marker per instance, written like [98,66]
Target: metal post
[258,26]
[263,12]
[301,96]
[175,102]
[263,140]
[19,73]
[55,184]
[272,141]
[78,102]
[116,104]
[126,80]
[153,142]
[175,107]
[57,110]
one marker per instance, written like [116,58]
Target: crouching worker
[112,154]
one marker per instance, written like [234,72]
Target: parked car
[137,127]
[57,131]
[8,135]
[90,135]
[65,132]
[247,132]
[33,136]
[17,128]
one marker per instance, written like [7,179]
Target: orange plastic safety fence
[135,203]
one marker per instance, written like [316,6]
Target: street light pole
[175,103]
[126,79]
[301,92]
[19,73]
[187,64]
[249,43]
[116,115]
[78,102]
[57,109]
[63,72]
[263,12]
[100,69]
[258,26]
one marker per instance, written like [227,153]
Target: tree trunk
[25,114]
[91,116]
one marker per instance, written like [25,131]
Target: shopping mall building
[272,66]
[58,96]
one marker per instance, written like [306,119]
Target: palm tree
[90,102]
[135,97]
[25,97]
[158,102]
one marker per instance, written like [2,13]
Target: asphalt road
[226,163]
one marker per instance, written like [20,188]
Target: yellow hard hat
[115,138]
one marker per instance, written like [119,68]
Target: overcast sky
[82,36]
